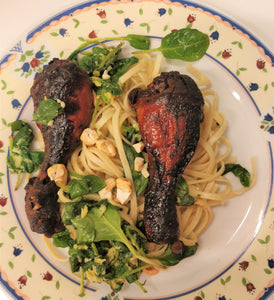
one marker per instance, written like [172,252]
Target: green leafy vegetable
[89,184]
[132,133]
[140,182]
[121,66]
[168,258]
[99,59]
[185,44]
[106,224]
[105,249]
[47,111]
[63,239]
[106,85]
[136,41]
[81,224]
[75,264]
[73,209]
[239,172]
[181,192]
[20,158]
[105,69]
[136,237]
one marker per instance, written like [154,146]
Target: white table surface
[18,17]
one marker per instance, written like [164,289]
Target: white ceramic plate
[235,258]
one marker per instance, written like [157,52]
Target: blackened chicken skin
[63,80]
[169,114]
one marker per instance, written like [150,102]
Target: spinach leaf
[181,192]
[239,172]
[105,69]
[47,111]
[107,85]
[186,44]
[73,209]
[17,125]
[23,137]
[78,188]
[82,224]
[89,184]
[37,158]
[121,66]
[168,258]
[20,159]
[137,240]
[107,226]
[131,133]
[105,250]
[99,59]
[106,223]
[136,41]
[63,239]
[75,264]
[140,182]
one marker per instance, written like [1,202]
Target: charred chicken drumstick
[169,114]
[63,80]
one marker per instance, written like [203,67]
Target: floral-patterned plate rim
[233,262]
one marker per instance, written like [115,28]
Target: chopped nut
[89,136]
[139,147]
[105,75]
[138,163]
[62,103]
[144,171]
[58,173]
[124,190]
[106,192]
[107,147]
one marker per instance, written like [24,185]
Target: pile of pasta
[203,174]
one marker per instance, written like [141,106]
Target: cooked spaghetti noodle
[203,174]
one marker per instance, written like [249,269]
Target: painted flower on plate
[16,104]
[127,22]
[47,276]
[244,265]
[17,251]
[260,63]
[253,86]
[271,263]
[22,281]
[214,35]
[161,11]
[191,18]
[3,200]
